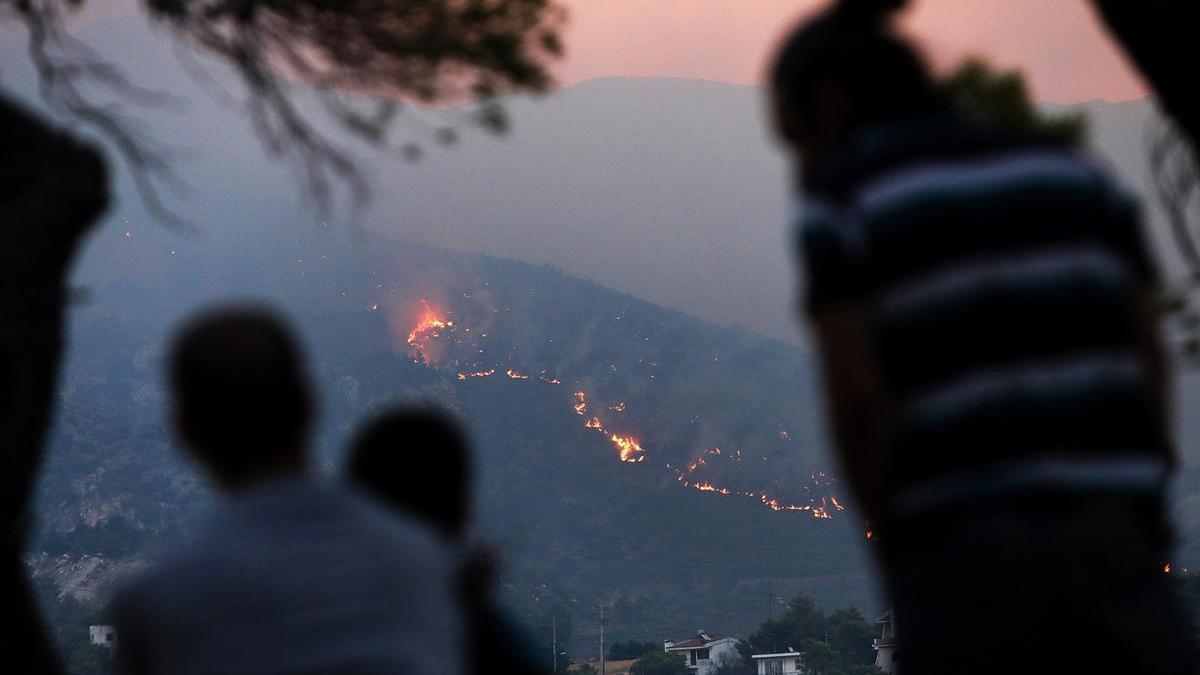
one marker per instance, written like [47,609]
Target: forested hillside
[629,455]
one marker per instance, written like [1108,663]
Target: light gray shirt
[296,577]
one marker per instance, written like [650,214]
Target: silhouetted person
[53,189]
[290,575]
[985,312]
[418,462]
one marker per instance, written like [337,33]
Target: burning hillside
[435,341]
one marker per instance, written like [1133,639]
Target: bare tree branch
[1177,183]
[397,51]
[63,65]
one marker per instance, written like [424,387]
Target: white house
[790,662]
[886,645]
[103,635]
[702,652]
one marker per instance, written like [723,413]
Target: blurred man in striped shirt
[984,308]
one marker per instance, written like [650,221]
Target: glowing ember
[514,375]
[709,487]
[594,423]
[580,403]
[1167,568]
[478,373]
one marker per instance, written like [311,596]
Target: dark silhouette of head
[241,399]
[844,69]
[418,461]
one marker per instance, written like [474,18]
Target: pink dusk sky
[1059,44]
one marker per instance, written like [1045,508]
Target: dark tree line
[837,643]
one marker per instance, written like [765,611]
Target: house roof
[775,656]
[701,641]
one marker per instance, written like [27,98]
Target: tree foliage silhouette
[364,59]
[1001,99]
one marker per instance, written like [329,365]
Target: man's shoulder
[390,529]
[248,542]
[335,513]
[139,603]
[958,156]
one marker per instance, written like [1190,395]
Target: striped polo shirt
[1002,277]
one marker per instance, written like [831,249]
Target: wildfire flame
[478,373]
[700,461]
[429,327]
[630,449]
[709,487]
[819,509]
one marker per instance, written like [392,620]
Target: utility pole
[603,623]
[553,643]
[771,601]
[769,598]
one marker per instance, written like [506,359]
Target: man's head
[417,461]
[842,70]
[241,399]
